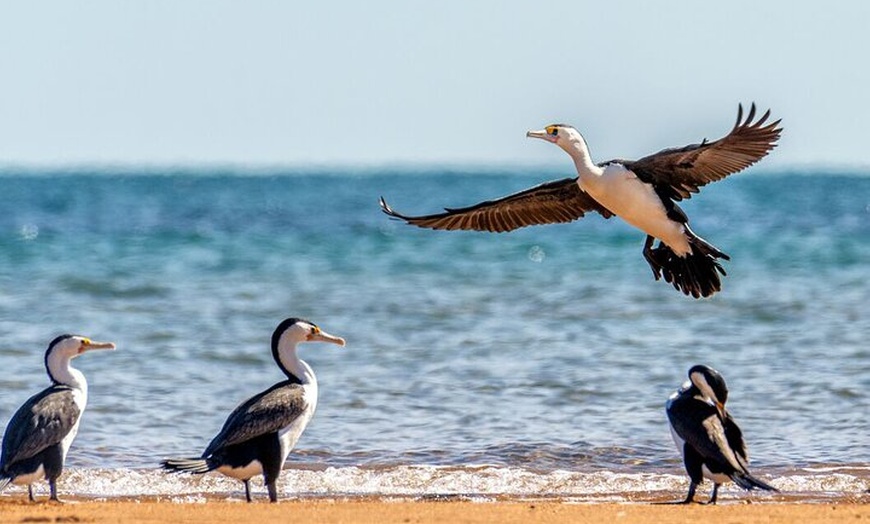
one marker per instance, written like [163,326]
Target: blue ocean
[535,363]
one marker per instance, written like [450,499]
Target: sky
[342,83]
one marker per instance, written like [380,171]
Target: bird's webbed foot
[714,495]
[690,497]
[650,257]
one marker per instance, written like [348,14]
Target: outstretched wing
[549,203]
[265,413]
[679,172]
[43,421]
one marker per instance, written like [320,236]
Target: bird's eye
[554,131]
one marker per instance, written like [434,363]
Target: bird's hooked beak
[323,336]
[88,345]
[543,135]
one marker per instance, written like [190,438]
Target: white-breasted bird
[40,433]
[259,434]
[642,192]
[706,435]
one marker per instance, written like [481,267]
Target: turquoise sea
[531,363]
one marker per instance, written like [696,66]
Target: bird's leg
[650,257]
[30,493]
[52,487]
[691,496]
[715,494]
[273,491]
[248,490]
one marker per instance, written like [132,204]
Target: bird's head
[71,346]
[711,385]
[293,331]
[563,136]
[66,347]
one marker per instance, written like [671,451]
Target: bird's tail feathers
[696,274]
[747,481]
[187,465]
[4,481]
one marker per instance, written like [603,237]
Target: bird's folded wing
[735,440]
[265,413]
[43,421]
[549,203]
[679,172]
[702,429]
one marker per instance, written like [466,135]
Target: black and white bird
[642,192]
[259,434]
[707,436]
[40,433]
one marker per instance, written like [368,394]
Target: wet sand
[379,511]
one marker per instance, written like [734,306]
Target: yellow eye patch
[551,130]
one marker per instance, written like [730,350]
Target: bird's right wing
[549,203]
[265,413]
[43,421]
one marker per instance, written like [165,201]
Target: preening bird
[642,192]
[259,434]
[40,433]
[706,435]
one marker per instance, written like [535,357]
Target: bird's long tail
[4,481]
[188,465]
[747,481]
[696,274]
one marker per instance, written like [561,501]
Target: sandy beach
[403,511]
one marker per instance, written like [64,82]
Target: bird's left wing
[548,203]
[679,172]
[43,421]
[735,439]
[265,413]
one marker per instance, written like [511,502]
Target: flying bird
[706,435]
[40,433]
[259,434]
[643,192]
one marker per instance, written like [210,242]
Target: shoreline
[377,510]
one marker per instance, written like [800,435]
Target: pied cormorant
[642,192]
[40,433]
[259,434]
[707,436]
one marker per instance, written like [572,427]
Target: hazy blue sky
[375,82]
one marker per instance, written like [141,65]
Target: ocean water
[532,363]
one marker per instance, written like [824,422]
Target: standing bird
[642,192]
[259,434]
[706,436]
[40,433]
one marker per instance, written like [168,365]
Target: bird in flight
[643,192]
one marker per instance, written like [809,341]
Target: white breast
[80,397]
[636,202]
[290,435]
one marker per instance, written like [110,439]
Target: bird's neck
[295,368]
[60,371]
[586,169]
